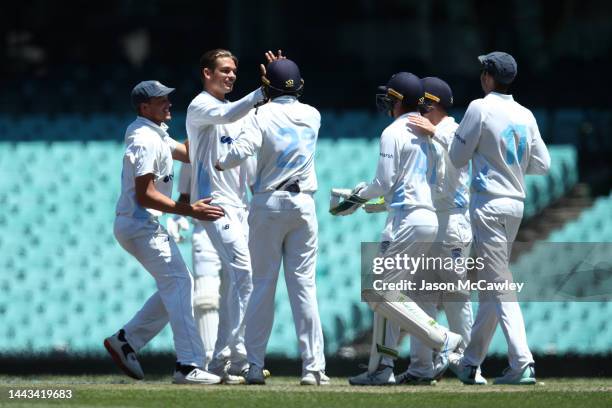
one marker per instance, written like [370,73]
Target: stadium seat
[62,253]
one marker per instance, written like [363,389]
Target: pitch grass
[285,392]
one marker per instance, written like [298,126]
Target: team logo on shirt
[168,178]
[226,139]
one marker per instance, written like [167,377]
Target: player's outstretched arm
[223,113]
[147,196]
[181,152]
[246,145]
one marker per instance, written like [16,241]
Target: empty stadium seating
[67,283]
[585,129]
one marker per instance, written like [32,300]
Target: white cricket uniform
[212,126]
[454,238]
[407,169]
[283,224]
[502,139]
[206,274]
[149,151]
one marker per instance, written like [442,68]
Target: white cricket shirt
[148,151]
[453,190]
[212,127]
[503,141]
[407,168]
[283,133]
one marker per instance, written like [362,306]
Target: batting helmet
[404,87]
[283,78]
[437,90]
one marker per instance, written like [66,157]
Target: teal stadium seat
[68,260]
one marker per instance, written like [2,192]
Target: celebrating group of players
[265,142]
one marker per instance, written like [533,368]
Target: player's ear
[206,73]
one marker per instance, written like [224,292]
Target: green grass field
[285,392]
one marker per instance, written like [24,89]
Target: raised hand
[270,57]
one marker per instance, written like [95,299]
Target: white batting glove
[344,201]
[175,225]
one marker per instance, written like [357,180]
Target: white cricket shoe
[196,376]
[123,354]
[383,376]
[314,378]
[255,375]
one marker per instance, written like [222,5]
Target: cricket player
[406,168]
[282,220]
[454,238]
[206,269]
[212,125]
[502,140]
[146,186]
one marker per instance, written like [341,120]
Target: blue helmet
[283,78]
[437,90]
[404,87]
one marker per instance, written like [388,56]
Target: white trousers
[206,273]
[206,261]
[283,226]
[454,240]
[495,223]
[229,236]
[410,233]
[149,242]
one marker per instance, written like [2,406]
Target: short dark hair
[501,88]
[209,58]
[498,86]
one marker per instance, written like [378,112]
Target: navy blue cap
[284,75]
[437,90]
[501,65]
[148,89]
[404,86]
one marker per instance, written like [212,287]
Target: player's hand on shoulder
[423,124]
[202,210]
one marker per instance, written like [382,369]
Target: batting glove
[375,206]
[175,225]
[345,202]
